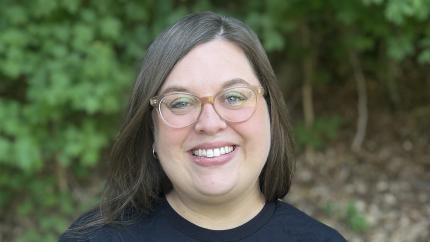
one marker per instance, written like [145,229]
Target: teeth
[217,152]
[213,152]
[209,153]
[202,152]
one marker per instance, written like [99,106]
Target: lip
[214,161]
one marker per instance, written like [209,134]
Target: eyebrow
[227,84]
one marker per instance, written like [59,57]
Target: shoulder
[87,229]
[301,226]
[79,231]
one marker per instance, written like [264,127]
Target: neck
[223,215]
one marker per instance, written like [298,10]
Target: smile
[215,152]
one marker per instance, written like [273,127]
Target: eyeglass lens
[234,105]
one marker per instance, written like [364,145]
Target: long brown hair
[136,179]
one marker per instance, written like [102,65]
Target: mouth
[213,152]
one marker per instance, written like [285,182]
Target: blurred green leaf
[27,154]
[356,218]
[400,47]
[324,130]
[66,68]
[110,28]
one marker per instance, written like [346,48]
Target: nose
[209,121]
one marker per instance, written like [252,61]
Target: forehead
[209,67]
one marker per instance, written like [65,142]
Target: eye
[180,103]
[234,98]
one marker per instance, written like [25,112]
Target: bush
[65,70]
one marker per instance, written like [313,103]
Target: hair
[136,180]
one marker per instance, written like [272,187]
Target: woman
[204,153]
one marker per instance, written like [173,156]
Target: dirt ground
[380,194]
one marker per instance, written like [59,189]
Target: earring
[154,154]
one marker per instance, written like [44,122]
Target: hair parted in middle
[136,179]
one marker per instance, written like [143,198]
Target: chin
[216,187]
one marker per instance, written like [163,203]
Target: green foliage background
[66,68]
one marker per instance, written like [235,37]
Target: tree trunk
[392,84]
[308,75]
[360,133]
[308,103]
[61,175]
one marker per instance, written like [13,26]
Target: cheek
[161,132]
[262,122]
[165,137]
[265,132]
[166,146]
[169,141]
[170,151]
[257,133]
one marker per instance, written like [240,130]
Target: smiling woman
[229,180]
[204,153]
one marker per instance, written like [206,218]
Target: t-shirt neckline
[208,235]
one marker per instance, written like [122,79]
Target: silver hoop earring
[154,154]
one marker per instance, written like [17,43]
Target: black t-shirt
[277,221]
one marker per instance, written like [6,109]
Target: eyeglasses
[181,109]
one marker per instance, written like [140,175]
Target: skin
[220,196]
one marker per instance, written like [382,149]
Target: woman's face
[205,71]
